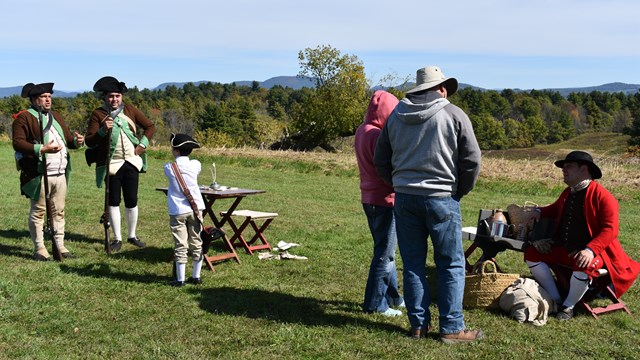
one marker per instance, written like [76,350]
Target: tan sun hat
[431,76]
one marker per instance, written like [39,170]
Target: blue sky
[493,44]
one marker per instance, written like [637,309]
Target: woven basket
[519,216]
[482,288]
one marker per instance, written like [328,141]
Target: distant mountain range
[16,90]
[296,82]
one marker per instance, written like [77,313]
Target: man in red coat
[585,238]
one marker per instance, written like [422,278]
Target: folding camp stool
[208,235]
[600,289]
[250,218]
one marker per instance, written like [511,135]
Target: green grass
[119,306]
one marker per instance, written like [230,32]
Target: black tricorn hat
[584,158]
[183,142]
[109,84]
[32,89]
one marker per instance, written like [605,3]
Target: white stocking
[578,286]
[114,219]
[542,273]
[132,220]
[197,266]
[180,270]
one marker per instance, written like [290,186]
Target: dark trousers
[125,180]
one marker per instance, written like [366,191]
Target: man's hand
[107,124]
[543,245]
[51,147]
[583,258]
[79,138]
[139,150]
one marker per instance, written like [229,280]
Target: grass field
[119,306]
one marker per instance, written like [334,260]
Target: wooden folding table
[210,196]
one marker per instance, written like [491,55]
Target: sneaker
[402,305]
[391,312]
[115,245]
[464,336]
[565,314]
[176,283]
[194,281]
[135,241]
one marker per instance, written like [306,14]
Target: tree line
[303,119]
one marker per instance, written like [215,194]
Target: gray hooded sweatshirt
[428,148]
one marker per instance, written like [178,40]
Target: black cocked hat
[32,89]
[109,84]
[584,158]
[183,142]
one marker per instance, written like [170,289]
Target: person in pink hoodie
[377,197]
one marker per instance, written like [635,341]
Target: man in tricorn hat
[113,129]
[28,129]
[585,238]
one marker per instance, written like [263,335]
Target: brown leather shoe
[464,336]
[419,333]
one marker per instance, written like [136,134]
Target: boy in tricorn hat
[184,221]
[112,129]
[28,129]
[585,237]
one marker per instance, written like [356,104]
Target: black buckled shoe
[40,257]
[135,241]
[115,245]
[564,314]
[194,281]
[176,283]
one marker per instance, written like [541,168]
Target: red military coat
[601,212]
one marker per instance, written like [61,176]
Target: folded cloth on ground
[286,256]
[526,301]
[265,255]
[282,256]
[285,245]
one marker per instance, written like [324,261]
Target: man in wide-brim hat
[427,150]
[112,129]
[30,128]
[585,238]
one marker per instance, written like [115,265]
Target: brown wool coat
[26,134]
[98,115]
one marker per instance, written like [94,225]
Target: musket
[49,228]
[104,219]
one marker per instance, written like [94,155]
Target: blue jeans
[382,284]
[418,218]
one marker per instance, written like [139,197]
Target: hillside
[600,144]
[296,82]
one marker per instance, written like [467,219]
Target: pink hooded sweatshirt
[373,189]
